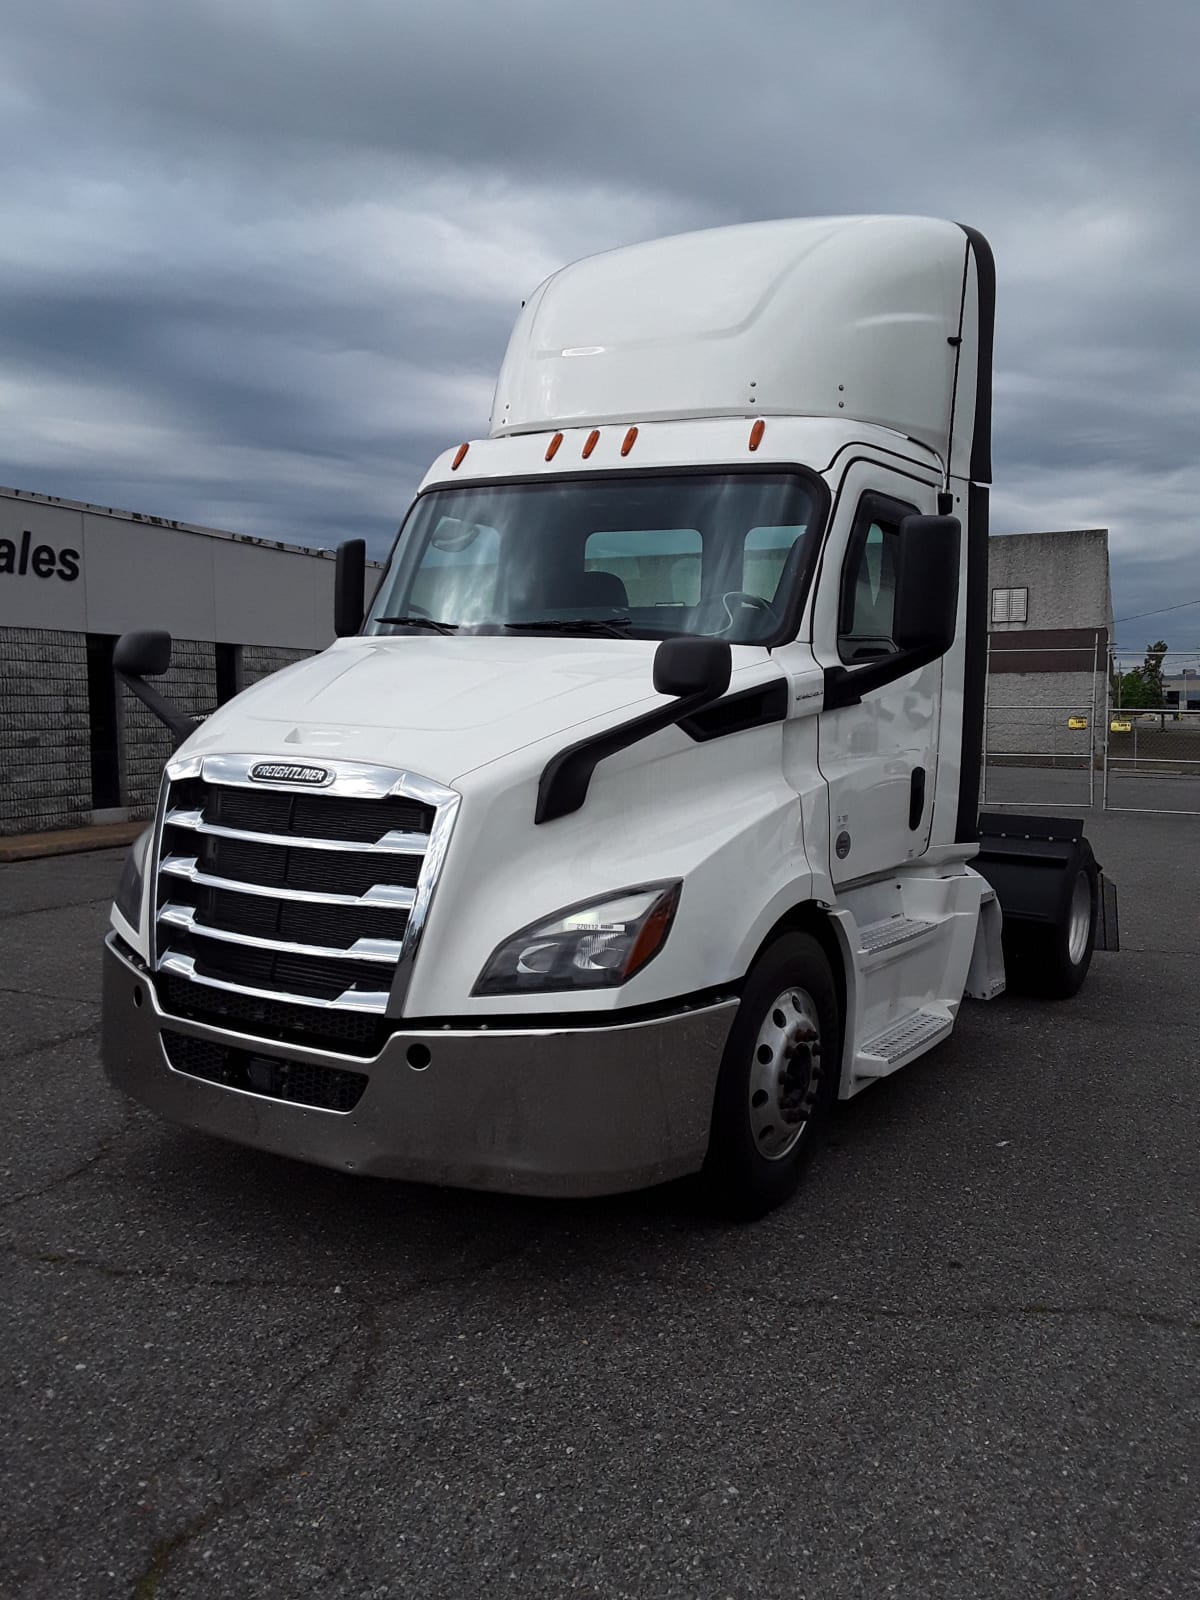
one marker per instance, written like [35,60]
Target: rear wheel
[1052,960]
[778,1079]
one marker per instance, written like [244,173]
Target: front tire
[777,1082]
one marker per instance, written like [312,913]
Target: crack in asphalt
[98,1154]
[50,994]
[66,905]
[145,1585]
[55,1040]
[468,1272]
[985,1311]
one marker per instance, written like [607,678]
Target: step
[891,932]
[900,1041]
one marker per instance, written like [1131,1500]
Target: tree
[1152,671]
[1141,689]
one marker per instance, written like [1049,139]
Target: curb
[68,841]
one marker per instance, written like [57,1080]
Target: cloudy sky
[260,257]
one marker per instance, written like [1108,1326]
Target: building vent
[1010,605]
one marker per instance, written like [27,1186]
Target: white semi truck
[637,820]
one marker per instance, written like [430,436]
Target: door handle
[916,799]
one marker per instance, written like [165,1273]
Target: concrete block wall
[45,754]
[45,745]
[260,660]
[1028,714]
[191,683]
[145,744]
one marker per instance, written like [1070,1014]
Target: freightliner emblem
[289,772]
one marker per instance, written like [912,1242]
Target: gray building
[75,747]
[1051,620]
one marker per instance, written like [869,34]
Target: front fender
[718,815]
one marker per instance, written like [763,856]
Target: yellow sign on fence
[1076,723]
[1122,727]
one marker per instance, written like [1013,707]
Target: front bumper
[570,1111]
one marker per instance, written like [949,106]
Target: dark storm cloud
[260,260]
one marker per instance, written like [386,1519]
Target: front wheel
[777,1081]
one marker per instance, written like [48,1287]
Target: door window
[868,600]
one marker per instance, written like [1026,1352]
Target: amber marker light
[460,455]
[593,439]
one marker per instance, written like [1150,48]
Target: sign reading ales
[40,559]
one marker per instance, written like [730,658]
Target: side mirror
[138,656]
[349,587]
[926,608]
[687,667]
[142,655]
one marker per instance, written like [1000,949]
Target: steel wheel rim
[1080,924]
[785,1074]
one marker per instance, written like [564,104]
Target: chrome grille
[270,895]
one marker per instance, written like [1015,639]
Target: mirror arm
[564,782]
[845,686]
[182,725]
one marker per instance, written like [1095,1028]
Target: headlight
[128,900]
[596,945]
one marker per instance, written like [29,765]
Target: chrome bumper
[581,1111]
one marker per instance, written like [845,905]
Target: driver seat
[600,591]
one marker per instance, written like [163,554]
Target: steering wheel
[753,602]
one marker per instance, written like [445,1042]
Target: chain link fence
[1152,754]
[1043,731]
[1062,737]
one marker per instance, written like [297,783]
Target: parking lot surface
[963,1362]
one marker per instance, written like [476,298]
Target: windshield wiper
[616,626]
[421,622]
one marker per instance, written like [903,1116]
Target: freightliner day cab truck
[637,820]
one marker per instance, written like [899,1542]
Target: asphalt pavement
[963,1362]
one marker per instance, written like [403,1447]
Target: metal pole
[987,699]
[1107,734]
[1092,727]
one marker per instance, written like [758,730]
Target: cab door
[877,749]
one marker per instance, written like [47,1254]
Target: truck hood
[441,707]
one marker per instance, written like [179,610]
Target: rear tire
[1053,960]
[778,1080]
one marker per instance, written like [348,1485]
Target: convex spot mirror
[144,654]
[926,610]
[687,667]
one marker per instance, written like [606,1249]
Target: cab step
[901,1042]
[893,932]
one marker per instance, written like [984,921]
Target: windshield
[720,554]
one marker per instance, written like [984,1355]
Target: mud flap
[1031,862]
[1108,932]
